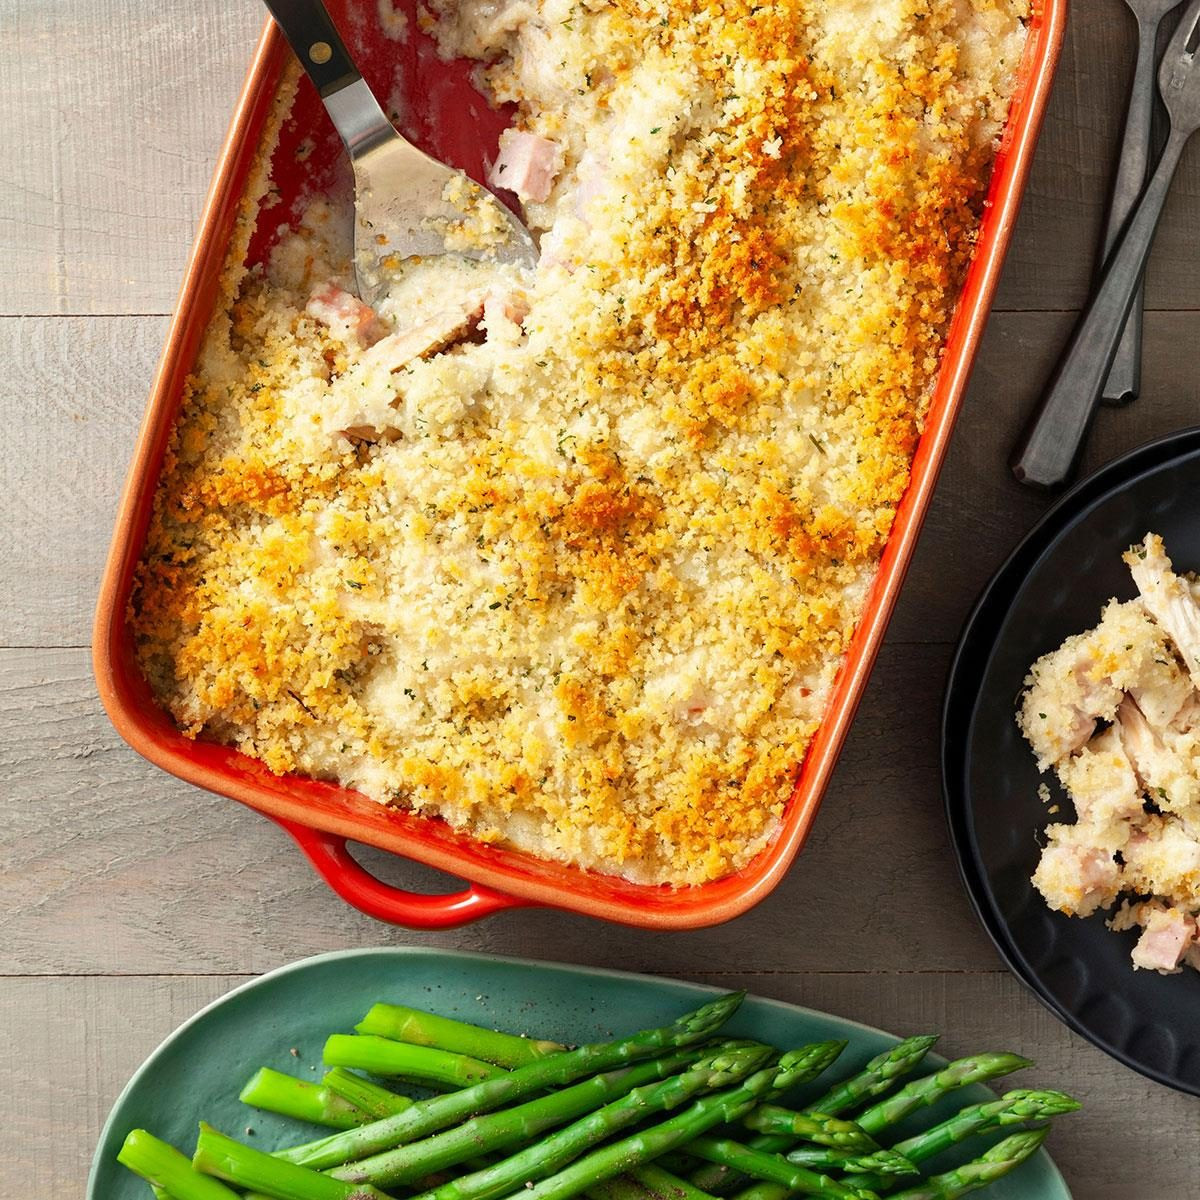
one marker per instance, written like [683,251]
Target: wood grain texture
[73,392]
[113,116]
[97,1031]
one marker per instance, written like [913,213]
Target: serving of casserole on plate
[571,559]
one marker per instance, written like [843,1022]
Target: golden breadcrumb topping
[577,573]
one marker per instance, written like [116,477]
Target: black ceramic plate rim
[961,698]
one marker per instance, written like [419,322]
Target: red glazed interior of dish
[436,105]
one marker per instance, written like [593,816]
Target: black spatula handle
[308,27]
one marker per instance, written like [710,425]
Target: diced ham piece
[1169,933]
[506,306]
[347,317]
[591,180]
[439,333]
[527,164]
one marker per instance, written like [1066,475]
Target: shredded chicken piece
[1168,935]
[527,165]
[1168,598]
[431,337]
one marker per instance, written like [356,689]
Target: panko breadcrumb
[570,558]
[1116,713]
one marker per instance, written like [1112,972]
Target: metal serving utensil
[1125,374]
[406,203]
[1049,448]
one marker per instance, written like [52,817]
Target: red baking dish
[449,118]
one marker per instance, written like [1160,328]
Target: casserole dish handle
[359,888]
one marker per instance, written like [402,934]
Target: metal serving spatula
[406,203]
[1045,456]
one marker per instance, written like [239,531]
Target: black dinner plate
[1053,585]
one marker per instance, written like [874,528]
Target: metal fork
[1124,376]
[406,203]
[1048,450]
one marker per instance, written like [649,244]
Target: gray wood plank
[113,116]
[72,397]
[90,1035]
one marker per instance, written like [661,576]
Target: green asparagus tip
[805,1063]
[1003,1157]
[978,1067]
[711,1016]
[886,1162]
[902,1056]
[1041,1105]
[921,1043]
[735,1062]
[1017,1146]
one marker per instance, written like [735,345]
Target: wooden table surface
[131,899]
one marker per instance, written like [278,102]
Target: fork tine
[1186,38]
[1193,40]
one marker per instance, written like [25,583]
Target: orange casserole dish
[322,816]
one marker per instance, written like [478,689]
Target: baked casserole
[570,557]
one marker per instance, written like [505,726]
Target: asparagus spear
[648,1182]
[1013,1108]
[626,1153]
[404,1024]
[372,1099]
[1002,1158]
[248,1168]
[771,1168]
[428,1116]
[877,1076]
[511,1127]
[879,1164]
[167,1170]
[724,1068]
[812,1127]
[418,1063]
[922,1092]
[301,1099]
[819,1056]
[760,1190]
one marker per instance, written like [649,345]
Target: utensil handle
[1124,376]
[310,30]
[414,910]
[1045,456]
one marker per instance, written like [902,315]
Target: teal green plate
[197,1072]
